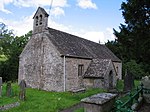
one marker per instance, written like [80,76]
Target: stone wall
[94,82]
[41,65]
[146,85]
[40,25]
[73,81]
[103,82]
[110,79]
[118,68]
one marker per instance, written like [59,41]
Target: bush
[134,68]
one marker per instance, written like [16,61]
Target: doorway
[110,79]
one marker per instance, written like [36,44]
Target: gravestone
[1,86]
[8,89]
[128,81]
[146,85]
[22,93]
[102,102]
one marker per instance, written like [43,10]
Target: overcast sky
[90,19]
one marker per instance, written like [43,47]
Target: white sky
[90,19]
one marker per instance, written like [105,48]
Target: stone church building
[54,60]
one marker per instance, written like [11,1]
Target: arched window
[40,19]
[36,21]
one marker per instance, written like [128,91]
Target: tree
[134,68]
[116,48]
[134,36]
[4,30]
[11,46]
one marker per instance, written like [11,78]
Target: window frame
[80,70]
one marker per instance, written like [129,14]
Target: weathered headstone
[8,89]
[146,85]
[22,93]
[1,86]
[128,81]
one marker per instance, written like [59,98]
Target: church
[54,60]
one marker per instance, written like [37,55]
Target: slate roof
[73,46]
[97,68]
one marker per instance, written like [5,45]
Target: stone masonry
[54,60]
[40,64]
[73,81]
[102,102]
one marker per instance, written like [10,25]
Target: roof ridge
[72,45]
[43,10]
[76,36]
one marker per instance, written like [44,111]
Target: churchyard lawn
[120,86]
[7,100]
[43,101]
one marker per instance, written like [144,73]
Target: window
[80,70]
[40,19]
[117,70]
[36,20]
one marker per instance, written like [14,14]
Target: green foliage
[133,39]
[125,98]
[120,84]
[3,58]
[137,83]
[116,48]
[11,46]
[134,68]
[43,101]
[4,30]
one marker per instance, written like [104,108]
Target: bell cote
[40,20]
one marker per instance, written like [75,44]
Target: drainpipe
[64,74]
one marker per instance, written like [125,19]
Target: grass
[126,98]
[79,110]
[43,101]
[7,100]
[120,85]
[137,83]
